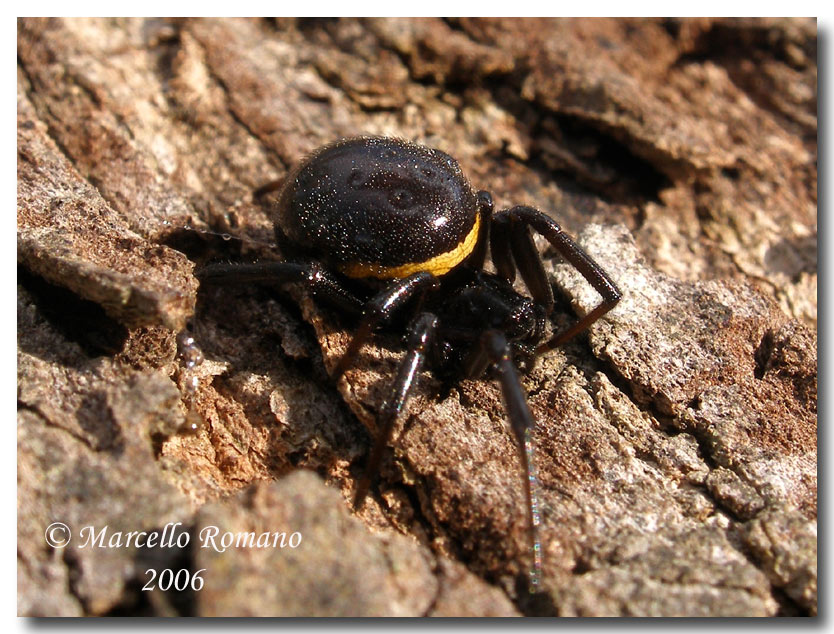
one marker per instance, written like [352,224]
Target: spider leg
[494,349]
[380,308]
[478,257]
[269,188]
[499,246]
[321,284]
[530,266]
[420,333]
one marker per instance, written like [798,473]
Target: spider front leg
[380,308]
[512,246]
[420,334]
[493,349]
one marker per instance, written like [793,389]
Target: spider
[390,231]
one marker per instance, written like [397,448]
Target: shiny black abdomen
[376,201]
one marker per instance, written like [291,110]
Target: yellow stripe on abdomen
[438,265]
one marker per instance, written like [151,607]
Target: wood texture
[677,441]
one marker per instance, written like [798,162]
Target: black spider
[379,228]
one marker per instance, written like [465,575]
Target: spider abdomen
[379,208]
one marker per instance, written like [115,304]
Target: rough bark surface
[676,440]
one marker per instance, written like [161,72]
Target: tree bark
[676,441]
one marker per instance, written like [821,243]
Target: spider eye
[401,198]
